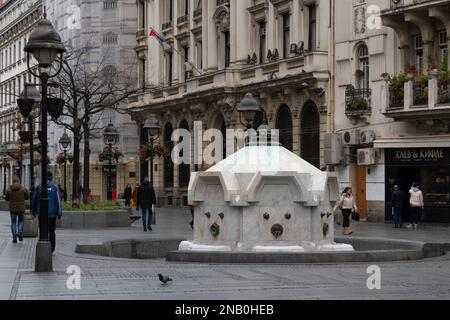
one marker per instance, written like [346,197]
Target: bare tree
[89,87]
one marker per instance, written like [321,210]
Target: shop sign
[419,155]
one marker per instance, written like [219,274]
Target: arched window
[168,163]
[363,72]
[184,172]
[310,134]
[284,125]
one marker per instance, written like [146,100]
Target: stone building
[17,20]
[277,50]
[392,102]
[108,27]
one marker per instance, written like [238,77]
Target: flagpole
[178,52]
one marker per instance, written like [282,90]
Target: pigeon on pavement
[164,279]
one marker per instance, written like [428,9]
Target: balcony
[140,33]
[357,102]
[167,25]
[417,100]
[198,13]
[222,2]
[183,19]
[403,4]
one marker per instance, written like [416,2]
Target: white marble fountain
[263,199]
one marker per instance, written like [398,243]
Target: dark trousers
[16,224]
[147,216]
[415,214]
[398,216]
[346,213]
[52,232]
[127,202]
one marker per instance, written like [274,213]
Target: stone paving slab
[105,278]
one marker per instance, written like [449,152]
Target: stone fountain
[263,199]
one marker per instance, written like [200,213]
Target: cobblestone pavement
[113,278]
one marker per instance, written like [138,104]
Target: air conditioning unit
[367,157]
[367,137]
[351,138]
[333,152]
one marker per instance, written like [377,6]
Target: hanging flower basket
[61,159]
[110,154]
[153,150]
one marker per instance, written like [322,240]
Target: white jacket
[347,203]
[416,199]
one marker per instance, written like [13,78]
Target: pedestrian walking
[398,202]
[347,206]
[16,195]
[134,196]
[146,201]
[127,195]
[54,208]
[416,203]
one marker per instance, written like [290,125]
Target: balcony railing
[357,101]
[396,97]
[444,94]
[183,19]
[167,25]
[221,2]
[395,4]
[198,12]
[140,33]
[420,94]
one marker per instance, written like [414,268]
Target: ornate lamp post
[45,45]
[65,143]
[248,109]
[111,138]
[153,130]
[29,99]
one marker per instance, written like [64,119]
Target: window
[20,50]
[199,49]
[169,10]
[418,51]
[15,54]
[109,4]
[110,38]
[443,48]
[363,73]
[262,42]
[184,7]
[227,49]
[141,8]
[184,62]
[169,65]
[142,78]
[286,35]
[312,28]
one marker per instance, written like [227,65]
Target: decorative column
[212,37]
[240,33]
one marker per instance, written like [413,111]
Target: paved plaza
[113,278]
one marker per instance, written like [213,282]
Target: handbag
[154,215]
[356,216]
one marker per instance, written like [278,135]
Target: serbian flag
[161,40]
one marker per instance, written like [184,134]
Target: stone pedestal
[30,226]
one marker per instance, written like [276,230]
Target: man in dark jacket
[146,200]
[17,195]
[398,201]
[54,207]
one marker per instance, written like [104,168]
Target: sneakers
[20,237]
[14,240]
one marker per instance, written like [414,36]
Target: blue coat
[54,200]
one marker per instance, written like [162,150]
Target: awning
[413,142]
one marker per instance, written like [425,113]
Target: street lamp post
[248,109]
[153,129]
[65,143]
[29,99]
[45,45]
[110,137]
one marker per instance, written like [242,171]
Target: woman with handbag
[347,205]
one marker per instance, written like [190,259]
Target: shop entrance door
[361,200]
[406,177]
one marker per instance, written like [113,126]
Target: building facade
[278,50]
[392,102]
[17,21]
[108,28]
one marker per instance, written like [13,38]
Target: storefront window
[435,186]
